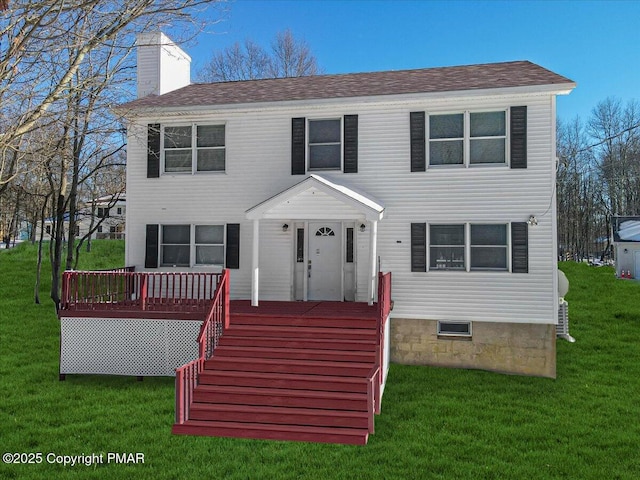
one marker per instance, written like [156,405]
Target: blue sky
[594,43]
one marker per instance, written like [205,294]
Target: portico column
[373,264]
[255,270]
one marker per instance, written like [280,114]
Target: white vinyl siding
[258,166]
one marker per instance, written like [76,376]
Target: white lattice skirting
[122,346]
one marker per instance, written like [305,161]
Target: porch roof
[316,197]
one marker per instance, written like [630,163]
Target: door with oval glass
[324,262]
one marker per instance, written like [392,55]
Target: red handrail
[216,321]
[126,290]
[384,306]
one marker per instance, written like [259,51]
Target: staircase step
[350,436]
[278,415]
[231,339]
[302,332]
[283,380]
[308,367]
[295,353]
[297,321]
[280,397]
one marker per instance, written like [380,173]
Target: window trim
[466,139]
[451,334]
[507,247]
[196,245]
[467,248]
[194,148]
[308,144]
[192,245]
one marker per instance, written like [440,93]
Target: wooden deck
[303,310]
[302,371]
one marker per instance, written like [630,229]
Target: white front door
[636,273]
[325,261]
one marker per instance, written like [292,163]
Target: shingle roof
[427,80]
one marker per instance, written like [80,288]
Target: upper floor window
[468,138]
[194,148]
[103,212]
[325,144]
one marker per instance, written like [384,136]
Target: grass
[435,423]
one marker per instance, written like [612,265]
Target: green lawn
[435,422]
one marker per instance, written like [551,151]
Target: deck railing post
[143,291]
[226,301]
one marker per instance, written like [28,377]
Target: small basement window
[454,329]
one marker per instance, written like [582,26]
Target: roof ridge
[481,76]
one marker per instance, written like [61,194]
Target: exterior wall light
[362,227]
[285,227]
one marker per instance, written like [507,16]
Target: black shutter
[153,150]
[297,146]
[351,144]
[418,147]
[418,247]
[520,247]
[518,137]
[233,245]
[151,247]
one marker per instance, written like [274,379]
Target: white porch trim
[339,203]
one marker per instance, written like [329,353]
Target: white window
[188,245]
[209,243]
[194,148]
[489,247]
[176,249]
[447,247]
[325,144]
[469,138]
[469,247]
[446,139]
[454,329]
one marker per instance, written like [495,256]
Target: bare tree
[288,57]
[291,57]
[44,43]
[598,176]
[63,64]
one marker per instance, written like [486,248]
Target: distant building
[108,210]
[626,241]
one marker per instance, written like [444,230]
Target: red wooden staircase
[293,371]
[287,378]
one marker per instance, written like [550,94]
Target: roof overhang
[317,198]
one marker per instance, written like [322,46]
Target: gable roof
[346,202]
[427,80]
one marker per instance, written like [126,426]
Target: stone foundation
[523,349]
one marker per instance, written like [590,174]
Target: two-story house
[307,187]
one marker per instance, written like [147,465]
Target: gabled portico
[321,204]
